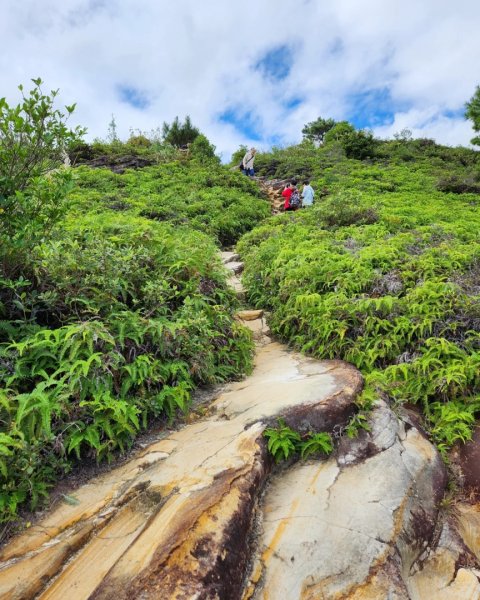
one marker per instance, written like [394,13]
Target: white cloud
[197,58]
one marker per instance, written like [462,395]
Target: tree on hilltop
[179,134]
[357,144]
[315,130]
[472,111]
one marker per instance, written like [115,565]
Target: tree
[356,144]
[202,150]
[472,111]
[112,131]
[315,130]
[405,135]
[179,134]
[33,139]
[33,142]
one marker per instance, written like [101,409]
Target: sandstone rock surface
[174,522]
[445,572]
[348,529]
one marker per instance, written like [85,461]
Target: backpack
[295,199]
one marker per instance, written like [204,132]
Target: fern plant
[316,443]
[282,441]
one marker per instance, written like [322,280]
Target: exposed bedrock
[469,461]
[363,525]
[174,522]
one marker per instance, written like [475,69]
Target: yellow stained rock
[249,315]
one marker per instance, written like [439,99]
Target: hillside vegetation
[383,271]
[114,304]
[113,300]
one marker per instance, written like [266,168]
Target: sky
[249,73]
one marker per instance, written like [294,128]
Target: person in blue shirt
[308,194]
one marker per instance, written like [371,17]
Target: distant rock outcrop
[118,164]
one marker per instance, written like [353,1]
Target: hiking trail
[203,514]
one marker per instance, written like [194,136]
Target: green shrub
[203,196]
[284,442]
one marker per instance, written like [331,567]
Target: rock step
[231,262]
[235,266]
[228,257]
[260,329]
[236,284]
[249,315]
[175,521]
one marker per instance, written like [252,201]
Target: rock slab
[344,528]
[175,521]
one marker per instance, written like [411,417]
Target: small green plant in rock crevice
[316,443]
[357,422]
[283,442]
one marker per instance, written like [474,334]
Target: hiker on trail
[308,194]
[248,161]
[292,197]
[287,192]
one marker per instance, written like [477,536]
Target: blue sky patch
[293,103]
[134,97]
[276,64]
[244,123]
[458,113]
[373,108]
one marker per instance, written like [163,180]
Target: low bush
[206,197]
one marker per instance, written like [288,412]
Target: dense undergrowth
[206,197]
[384,272]
[113,305]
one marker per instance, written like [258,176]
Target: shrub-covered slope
[206,197]
[384,272]
[114,315]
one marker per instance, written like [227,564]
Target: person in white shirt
[308,194]
[248,161]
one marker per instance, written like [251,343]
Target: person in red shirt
[287,193]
